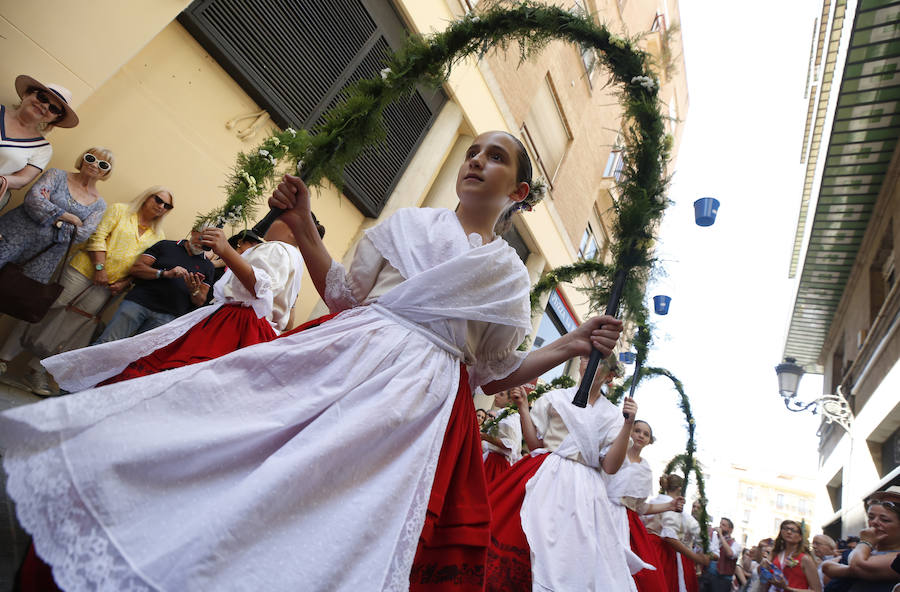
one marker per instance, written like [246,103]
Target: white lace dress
[304,463]
[277,267]
[566,515]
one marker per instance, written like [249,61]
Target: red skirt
[454,539]
[668,562]
[509,556]
[690,575]
[229,328]
[495,465]
[643,546]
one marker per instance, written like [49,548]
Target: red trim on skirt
[647,580]
[452,546]
[229,328]
[509,556]
[495,465]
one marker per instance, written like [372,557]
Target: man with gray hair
[824,548]
[171,279]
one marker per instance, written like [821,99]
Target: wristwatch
[98,266]
[159,273]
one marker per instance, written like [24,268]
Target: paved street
[13,541]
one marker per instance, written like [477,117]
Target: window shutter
[295,57]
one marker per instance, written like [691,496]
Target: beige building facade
[159,94]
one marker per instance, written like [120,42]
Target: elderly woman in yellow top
[96,273]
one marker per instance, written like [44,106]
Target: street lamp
[834,407]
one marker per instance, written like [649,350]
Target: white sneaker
[39,382]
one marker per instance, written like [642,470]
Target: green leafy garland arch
[356,123]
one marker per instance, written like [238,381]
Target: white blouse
[277,267]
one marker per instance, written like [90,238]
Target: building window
[748,493]
[890,453]
[546,129]
[801,506]
[746,516]
[588,54]
[556,322]
[616,160]
[779,501]
[298,81]
[590,248]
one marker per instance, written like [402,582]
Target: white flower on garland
[385,73]
[645,81]
[661,199]
[276,141]
[618,41]
[265,154]
[251,182]
[291,131]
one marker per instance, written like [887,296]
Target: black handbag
[25,298]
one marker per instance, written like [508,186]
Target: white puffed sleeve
[343,290]
[277,268]
[509,432]
[494,349]
[540,415]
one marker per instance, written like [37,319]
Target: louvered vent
[295,57]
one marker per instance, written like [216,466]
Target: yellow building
[176,89]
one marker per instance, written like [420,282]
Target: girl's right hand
[517,396]
[291,195]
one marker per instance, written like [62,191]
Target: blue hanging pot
[705,210]
[627,357]
[661,304]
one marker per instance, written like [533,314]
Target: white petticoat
[230,475]
[570,529]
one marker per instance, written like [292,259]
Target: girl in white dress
[310,462]
[503,448]
[551,518]
[628,490]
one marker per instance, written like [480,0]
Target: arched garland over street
[356,123]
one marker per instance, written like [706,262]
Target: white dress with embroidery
[277,267]
[566,515]
[304,463]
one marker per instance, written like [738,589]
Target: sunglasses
[91,159]
[790,529]
[45,99]
[895,506]
[162,202]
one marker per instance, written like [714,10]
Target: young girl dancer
[628,490]
[251,302]
[551,519]
[669,529]
[503,449]
[324,460]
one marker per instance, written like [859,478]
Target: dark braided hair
[523,175]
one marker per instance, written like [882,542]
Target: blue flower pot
[705,210]
[661,304]
[627,357]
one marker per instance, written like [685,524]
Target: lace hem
[66,534]
[338,295]
[397,578]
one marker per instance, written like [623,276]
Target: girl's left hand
[629,408]
[601,333]
[215,239]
